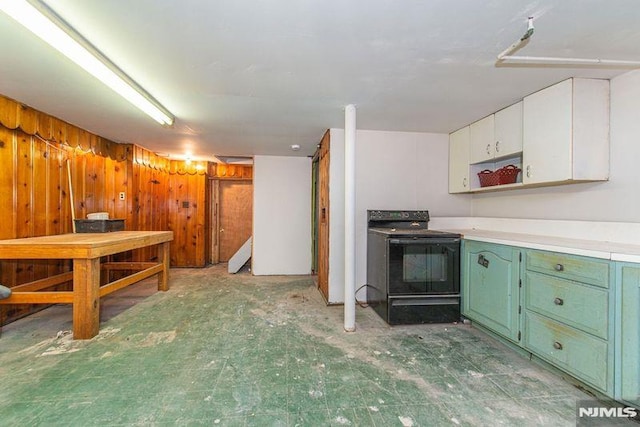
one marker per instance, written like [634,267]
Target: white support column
[350,218]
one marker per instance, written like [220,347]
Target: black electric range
[413,273]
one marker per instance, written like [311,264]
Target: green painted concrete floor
[263,351]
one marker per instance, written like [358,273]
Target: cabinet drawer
[581,269]
[574,351]
[581,306]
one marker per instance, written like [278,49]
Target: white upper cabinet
[481,134]
[566,133]
[559,135]
[459,161]
[508,131]
[497,136]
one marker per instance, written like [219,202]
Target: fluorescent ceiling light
[46,24]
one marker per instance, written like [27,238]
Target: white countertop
[593,239]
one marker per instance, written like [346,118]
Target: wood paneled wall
[226,171]
[35,151]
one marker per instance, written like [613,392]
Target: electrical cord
[360,303]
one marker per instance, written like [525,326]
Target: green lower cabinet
[579,314]
[576,304]
[628,334]
[490,294]
[581,269]
[568,315]
[579,353]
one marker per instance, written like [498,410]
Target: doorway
[232,217]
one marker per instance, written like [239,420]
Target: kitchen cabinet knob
[497,146]
[559,267]
[557,345]
[558,301]
[489,149]
[528,171]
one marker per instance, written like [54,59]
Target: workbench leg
[86,298]
[163,258]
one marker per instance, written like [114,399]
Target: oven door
[424,266]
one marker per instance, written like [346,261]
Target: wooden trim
[226,171]
[47,282]
[230,178]
[215,224]
[56,297]
[126,281]
[127,265]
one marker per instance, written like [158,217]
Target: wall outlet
[122,195]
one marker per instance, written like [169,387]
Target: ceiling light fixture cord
[505,55]
[520,42]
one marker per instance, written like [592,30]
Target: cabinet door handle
[464,182]
[558,301]
[557,345]
[483,261]
[528,171]
[559,267]
[497,146]
[489,149]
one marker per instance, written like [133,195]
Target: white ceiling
[248,77]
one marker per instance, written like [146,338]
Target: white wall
[404,170]
[614,200]
[394,170]
[281,215]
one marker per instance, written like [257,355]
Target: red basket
[488,178]
[505,175]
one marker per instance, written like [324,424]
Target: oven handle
[424,241]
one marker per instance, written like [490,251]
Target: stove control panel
[379,215]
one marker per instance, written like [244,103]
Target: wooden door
[323,216]
[235,212]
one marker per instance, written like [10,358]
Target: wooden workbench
[86,249]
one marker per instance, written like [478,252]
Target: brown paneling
[207,220]
[187,216]
[7,201]
[323,215]
[235,209]
[214,221]
[9,113]
[7,186]
[223,171]
[35,149]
